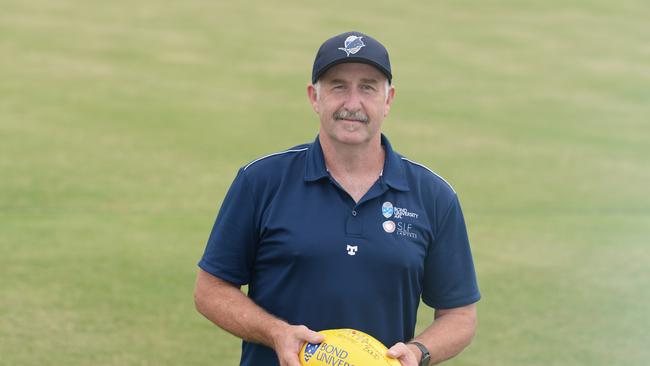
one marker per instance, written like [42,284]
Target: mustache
[351,116]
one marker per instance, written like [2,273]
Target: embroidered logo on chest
[389,226]
[389,211]
[352,249]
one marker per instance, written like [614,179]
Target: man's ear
[313,97]
[389,100]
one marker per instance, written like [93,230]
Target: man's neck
[358,160]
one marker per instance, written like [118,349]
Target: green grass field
[122,125]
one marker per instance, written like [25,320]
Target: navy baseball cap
[351,47]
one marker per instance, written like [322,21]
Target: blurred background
[122,124]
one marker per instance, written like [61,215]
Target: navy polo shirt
[311,255]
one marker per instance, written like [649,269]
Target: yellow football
[346,347]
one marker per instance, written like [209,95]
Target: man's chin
[353,137]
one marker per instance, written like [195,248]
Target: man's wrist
[416,351]
[423,351]
[277,328]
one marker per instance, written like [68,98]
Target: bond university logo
[387,209]
[328,354]
[352,45]
[352,249]
[310,350]
[396,224]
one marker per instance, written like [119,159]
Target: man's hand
[288,340]
[407,355]
[225,305]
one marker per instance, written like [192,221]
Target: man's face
[352,103]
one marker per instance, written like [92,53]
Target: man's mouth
[351,116]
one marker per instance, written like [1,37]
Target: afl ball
[346,347]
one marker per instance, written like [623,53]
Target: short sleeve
[449,275]
[230,251]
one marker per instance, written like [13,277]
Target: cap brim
[362,60]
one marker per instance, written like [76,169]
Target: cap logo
[352,45]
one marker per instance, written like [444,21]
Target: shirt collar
[393,173]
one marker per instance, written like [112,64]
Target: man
[341,233]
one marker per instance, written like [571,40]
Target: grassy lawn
[122,125]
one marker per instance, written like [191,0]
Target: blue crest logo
[352,45]
[387,209]
[310,349]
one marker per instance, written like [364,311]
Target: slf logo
[310,350]
[389,226]
[394,213]
[352,249]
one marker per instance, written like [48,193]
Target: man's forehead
[353,71]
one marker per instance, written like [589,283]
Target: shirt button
[354,213]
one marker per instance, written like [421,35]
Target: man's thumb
[395,351]
[313,337]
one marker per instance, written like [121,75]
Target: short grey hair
[317,89]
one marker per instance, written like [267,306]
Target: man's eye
[367,87]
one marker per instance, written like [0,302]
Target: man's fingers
[315,338]
[401,352]
[291,361]
[310,336]
[291,342]
[397,351]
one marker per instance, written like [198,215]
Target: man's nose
[353,101]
